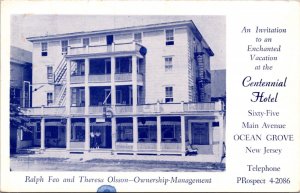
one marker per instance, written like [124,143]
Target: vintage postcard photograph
[117,93]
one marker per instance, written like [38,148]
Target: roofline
[189,23]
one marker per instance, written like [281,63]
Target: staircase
[201,80]
[61,99]
[60,81]
[60,72]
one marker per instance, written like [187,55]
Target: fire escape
[203,76]
[60,82]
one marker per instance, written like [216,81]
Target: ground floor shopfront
[137,135]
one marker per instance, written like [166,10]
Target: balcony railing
[77,79]
[77,110]
[101,78]
[96,110]
[157,108]
[123,77]
[102,49]
[120,110]
[49,111]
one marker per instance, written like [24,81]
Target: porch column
[42,133]
[221,130]
[135,133]
[113,133]
[182,121]
[86,86]
[134,84]
[113,86]
[68,134]
[158,131]
[87,134]
[68,90]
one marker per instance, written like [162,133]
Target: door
[107,67]
[107,99]
[108,137]
[200,133]
[109,39]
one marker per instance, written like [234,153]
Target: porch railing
[146,146]
[170,146]
[124,146]
[171,107]
[163,108]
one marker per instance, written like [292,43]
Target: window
[119,97]
[77,133]
[85,42]
[26,135]
[169,37]
[124,133]
[168,64]
[51,132]
[169,94]
[77,68]
[77,97]
[200,134]
[49,98]
[49,72]
[38,131]
[138,37]
[44,48]
[64,46]
[168,132]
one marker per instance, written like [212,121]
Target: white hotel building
[134,90]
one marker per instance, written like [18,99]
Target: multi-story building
[20,80]
[20,76]
[134,90]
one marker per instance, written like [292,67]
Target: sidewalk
[130,161]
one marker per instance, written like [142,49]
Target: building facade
[135,90]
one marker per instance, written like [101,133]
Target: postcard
[163,96]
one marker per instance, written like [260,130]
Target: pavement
[106,162]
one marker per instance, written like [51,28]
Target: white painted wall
[156,77]
[181,77]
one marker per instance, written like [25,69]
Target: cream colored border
[237,13]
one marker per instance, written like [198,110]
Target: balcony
[105,49]
[47,111]
[157,108]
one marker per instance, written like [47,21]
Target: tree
[17,122]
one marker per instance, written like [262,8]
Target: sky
[212,28]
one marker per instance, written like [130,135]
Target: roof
[188,23]
[20,56]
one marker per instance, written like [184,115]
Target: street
[23,163]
